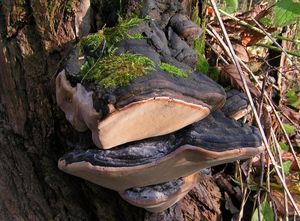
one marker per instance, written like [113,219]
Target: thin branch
[289,119]
[282,169]
[245,197]
[274,109]
[226,49]
[219,55]
[262,155]
[276,43]
[286,135]
[274,48]
[261,181]
[255,28]
[265,142]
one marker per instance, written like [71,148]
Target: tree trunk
[35,38]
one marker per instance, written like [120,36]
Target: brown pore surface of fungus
[148,118]
[182,162]
[212,141]
[159,197]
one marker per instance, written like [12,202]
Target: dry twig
[236,62]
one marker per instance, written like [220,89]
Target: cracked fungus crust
[133,154]
[156,198]
[111,70]
[154,192]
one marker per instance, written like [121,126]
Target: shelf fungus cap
[77,104]
[145,108]
[212,141]
[157,198]
[236,105]
[184,27]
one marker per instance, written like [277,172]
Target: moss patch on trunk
[117,70]
[173,70]
[109,37]
[91,44]
[102,66]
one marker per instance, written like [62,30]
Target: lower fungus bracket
[214,140]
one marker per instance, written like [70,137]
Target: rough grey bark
[35,38]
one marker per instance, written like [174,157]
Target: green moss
[199,44]
[202,64]
[116,70]
[173,70]
[112,70]
[214,73]
[137,36]
[91,43]
[120,31]
[195,14]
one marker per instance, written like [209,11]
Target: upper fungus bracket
[148,85]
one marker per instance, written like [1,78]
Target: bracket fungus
[155,121]
[157,198]
[145,108]
[184,27]
[209,142]
[237,105]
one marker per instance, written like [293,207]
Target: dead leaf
[291,114]
[229,204]
[229,74]
[257,12]
[224,183]
[289,156]
[278,198]
[250,37]
[209,11]
[234,27]
[241,52]
[266,121]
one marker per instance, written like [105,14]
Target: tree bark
[35,38]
